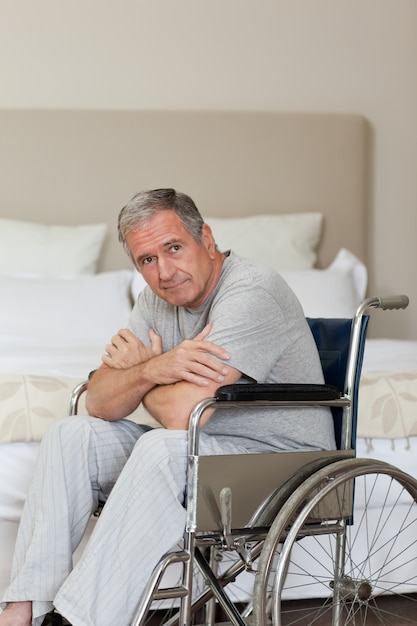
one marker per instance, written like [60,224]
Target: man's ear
[208,239]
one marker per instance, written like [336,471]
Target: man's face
[176,267]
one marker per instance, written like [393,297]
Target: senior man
[206,318]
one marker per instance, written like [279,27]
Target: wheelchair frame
[306,502]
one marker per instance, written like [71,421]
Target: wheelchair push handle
[386,303]
[394,302]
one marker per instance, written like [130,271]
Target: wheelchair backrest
[333,338]
[254,477]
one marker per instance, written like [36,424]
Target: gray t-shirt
[257,318]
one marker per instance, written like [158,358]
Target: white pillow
[278,241]
[86,309]
[333,292]
[26,247]
[346,260]
[138,283]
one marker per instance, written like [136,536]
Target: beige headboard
[68,167]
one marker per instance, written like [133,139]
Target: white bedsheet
[17,461]
[391,355]
[30,357]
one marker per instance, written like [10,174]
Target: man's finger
[204,333]
[126,334]
[156,341]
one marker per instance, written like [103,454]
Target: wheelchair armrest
[278,392]
[75,397]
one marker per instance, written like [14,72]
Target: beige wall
[308,55]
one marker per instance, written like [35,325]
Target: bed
[288,188]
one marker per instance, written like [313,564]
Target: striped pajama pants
[141,473]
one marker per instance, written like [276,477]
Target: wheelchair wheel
[307,555]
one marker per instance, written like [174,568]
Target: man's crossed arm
[168,383]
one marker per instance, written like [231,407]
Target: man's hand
[126,350]
[193,360]
[131,370]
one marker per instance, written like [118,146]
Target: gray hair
[141,208]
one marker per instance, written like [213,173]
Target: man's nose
[166,269]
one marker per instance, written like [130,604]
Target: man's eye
[147,260]
[175,248]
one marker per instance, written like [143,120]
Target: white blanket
[388,390]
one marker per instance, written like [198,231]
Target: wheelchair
[264,530]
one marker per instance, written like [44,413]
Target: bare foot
[17,614]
